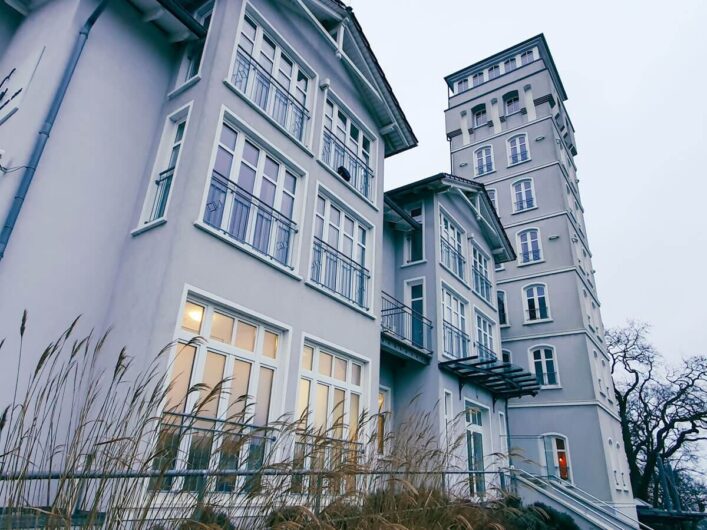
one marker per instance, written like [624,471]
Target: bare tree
[663,408]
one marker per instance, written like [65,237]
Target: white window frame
[407,244]
[493,71]
[454,306]
[477,79]
[524,57]
[480,265]
[510,61]
[480,117]
[510,110]
[530,252]
[462,85]
[493,196]
[510,147]
[501,294]
[447,417]
[486,152]
[484,331]
[528,195]
[553,436]
[544,362]
[526,306]
[455,236]
[484,430]
[386,412]
[184,80]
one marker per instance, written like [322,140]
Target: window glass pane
[228,137]
[213,375]
[320,406]
[223,162]
[239,389]
[303,401]
[262,400]
[250,154]
[307,355]
[246,178]
[355,374]
[339,369]
[338,413]
[222,327]
[193,315]
[325,362]
[290,182]
[245,336]
[354,412]
[270,342]
[181,375]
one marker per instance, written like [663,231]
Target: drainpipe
[43,134]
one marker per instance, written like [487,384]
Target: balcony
[456,342]
[269,95]
[163,183]
[249,221]
[405,333]
[481,283]
[347,164]
[453,259]
[338,273]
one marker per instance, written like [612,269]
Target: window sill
[485,174]
[450,271]
[504,325]
[235,244]
[514,164]
[538,321]
[148,226]
[527,263]
[550,387]
[349,186]
[265,115]
[184,86]
[339,299]
[524,210]
[413,263]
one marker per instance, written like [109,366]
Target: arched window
[536,302]
[484,160]
[492,195]
[557,457]
[518,149]
[511,103]
[479,113]
[529,250]
[524,195]
[544,366]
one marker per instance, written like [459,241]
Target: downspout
[46,129]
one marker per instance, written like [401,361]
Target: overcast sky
[635,75]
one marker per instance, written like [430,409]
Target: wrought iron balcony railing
[259,86]
[336,155]
[485,353]
[163,183]
[524,204]
[530,255]
[520,156]
[338,273]
[248,220]
[453,259]
[407,325]
[482,285]
[456,342]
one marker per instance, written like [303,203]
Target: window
[340,253]
[494,72]
[243,352]
[544,366]
[383,423]
[271,79]
[492,196]
[414,239]
[524,195]
[509,65]
[451,242]
[506,356]
[448,417]
[536,305]
[480,118]
[529,246]
[456,341]
[556,456]
[416,296]
[477,79]
[160,187]
[484,337]
[502,309]
[462,85]
[195,50]
[480,274]
[484,160]
[518,149]
[475,449]
[252,197]
[512,104]
[347,150]
[526,57]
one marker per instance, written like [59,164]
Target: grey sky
[635,75]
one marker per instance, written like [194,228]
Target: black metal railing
[163,183]
[484,352]
[537,313]
[188,442]
[258,85]
[456,342]
[524,204]
[482,285]
[248,220]
[519,156]
[407,325]
[358,174]
[530,255]
[313,452]
[338,273]
[453,259]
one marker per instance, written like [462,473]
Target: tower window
[536,304]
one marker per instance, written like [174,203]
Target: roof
[472,190]
[538,40]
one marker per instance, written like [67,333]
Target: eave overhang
[175,18]
[397,217]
